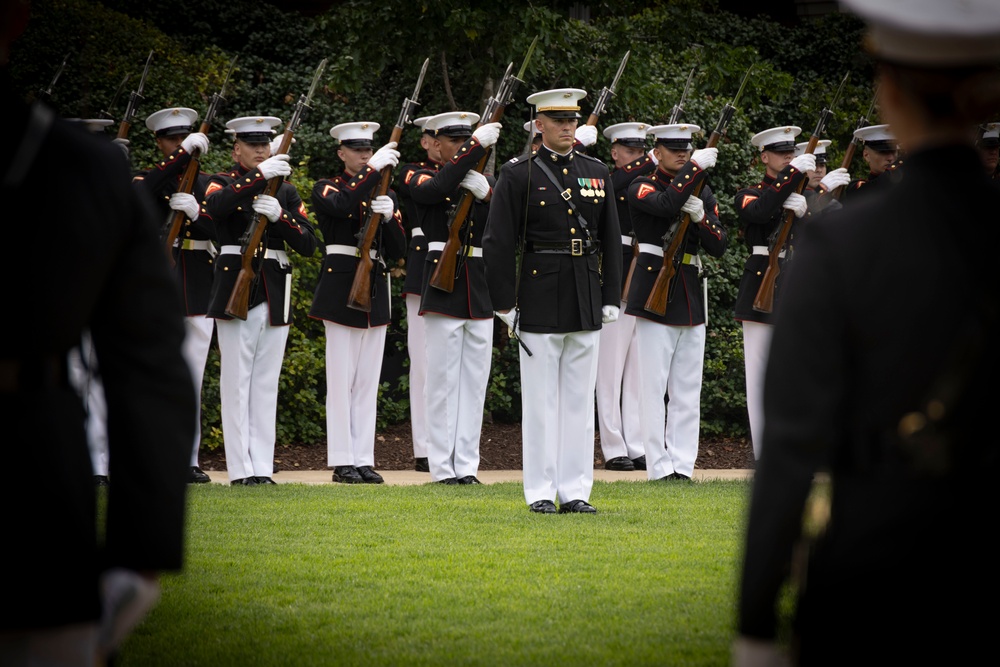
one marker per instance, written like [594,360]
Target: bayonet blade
[420,81]
[48,91]
[840,90]
[145,72]
[618,75]
[315,81]
[114,99]
[527,57]
[225,82]
[739,93]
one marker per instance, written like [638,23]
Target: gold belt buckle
[576,247]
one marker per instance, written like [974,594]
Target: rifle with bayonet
[852,148]
[360,297]
[176,218]
[659,295]
[106,112]
[448,266]
[764,300]
[46,93]
[675,115]
[239,299]
[607,93]
[133,103]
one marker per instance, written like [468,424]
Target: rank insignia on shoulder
[746,200]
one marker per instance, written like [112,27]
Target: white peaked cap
[627,133]
[559,102]
[455,123]
[820,149]
[361,132]
[877,137]
[255,129]
[777,138]
[178,119]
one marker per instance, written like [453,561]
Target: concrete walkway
[403,477]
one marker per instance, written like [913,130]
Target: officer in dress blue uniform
[412,286]
[459,323]
[672,346]
[355,339]
[989,148]
[617,361]
[194,251]
[880,153]
[561,203]
[252,350]
[822,182]
[761,209]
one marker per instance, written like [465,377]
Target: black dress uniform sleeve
[293,226]
[758,205]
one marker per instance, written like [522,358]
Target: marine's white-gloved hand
[476,183]
[487,134]
[694,207]
[609,314]
[805,162]
[385,156]
[507,318]
[195,141]
[276,143]
[122,144]
[652,156]
[186,204]
[267,206]
[586,135]
[276,165]
[835,179]
[796,203]
[127,597]
[705,157]
[383,206]
[747,652]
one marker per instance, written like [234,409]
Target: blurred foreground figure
[74,589]
[892,402]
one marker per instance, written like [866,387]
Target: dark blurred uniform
[671,347]
[355,339]
[252,350]
[988,146]
[562,203]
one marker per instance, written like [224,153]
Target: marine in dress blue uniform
[355,339]
[671,347]
[880,152]
[459,324]
[761,209]
[822,183]
[412,286]
[618,363]
[194,251]
[252,350]
[567,286]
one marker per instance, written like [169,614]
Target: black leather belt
[575,247]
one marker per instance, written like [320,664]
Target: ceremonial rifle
[106,113]
[133,102]
[764,301]
[360,297]
[607,93]
[855,142]
[675,115]
[658,297]
[46,94]
[176,218]
[239,299]
[447,267]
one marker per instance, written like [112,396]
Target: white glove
[747,652]
[705,157]
[805,162]
[267,206]
[487,134]
[835,179]
[694,207]
[609,314]
[796,203]
[385,156]
[195,141]
[507,318]
[276,165]
[476,183]
[122,144]
[127,597]
[586,135]
[186,204]
[383,206]
[652,156]
[276,143]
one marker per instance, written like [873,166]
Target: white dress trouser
[85,377]
[415,343]
[557,406]
[353,367]
[756,344]
[251,353]
[459,353]
[618,389]
[673,359]
[197,341]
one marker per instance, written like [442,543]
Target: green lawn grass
[449,575]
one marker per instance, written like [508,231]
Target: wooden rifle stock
[845,164]
[631,270]
[186,186]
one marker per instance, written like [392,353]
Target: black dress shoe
[543,507]
[198,477]
[639,463]
[245,481]
[448,480]
[468,479]
[420,464]
[678,477]
[101,480]
[622,463]
[347,475]
[369,476]
[265,480]
[578,507]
